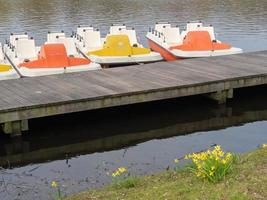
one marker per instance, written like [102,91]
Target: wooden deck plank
[138,77]
[224,68]
[253,60]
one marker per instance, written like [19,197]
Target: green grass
[127,183]
[247,181]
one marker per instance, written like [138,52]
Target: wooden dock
[217,77]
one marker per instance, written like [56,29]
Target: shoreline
[245,182]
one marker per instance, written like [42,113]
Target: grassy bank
[247,181]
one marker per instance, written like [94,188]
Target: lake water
[78,150]
[239,22]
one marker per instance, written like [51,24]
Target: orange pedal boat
[196,41]
[51,58]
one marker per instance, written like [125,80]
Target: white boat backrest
[183,34]
[25,48]
[116,29]
[160,27]
[92,39]
[52,37]
[210,29]
[1,53]
[12,38]
[69,45]
[192,26]
[172,35]
[132,36]
[82,30]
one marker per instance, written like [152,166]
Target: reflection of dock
[30,98]
[96,139]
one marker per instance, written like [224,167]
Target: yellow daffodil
[224,162]
[122,169]
[218,148]
[176,161]
[264,146]
[54,184]
[199,166]
[211,173]
[213,164]
[119,171]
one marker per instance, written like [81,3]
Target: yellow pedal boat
[120,46]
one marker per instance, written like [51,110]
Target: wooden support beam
[221,96]
[15,128]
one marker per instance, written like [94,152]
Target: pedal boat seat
[5,68]
[119,45]
[54,56]
[200,41]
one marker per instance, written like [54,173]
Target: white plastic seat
[13,38]
[172,36]
[132,36]
[92,40]
[198,26]
[69,45]
[116,29]
[52,37]
[160,27]
[25,49]
[1,53]
[192,26]
[82,30]
[210,29]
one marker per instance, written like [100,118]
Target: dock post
[221,96]
[15,128]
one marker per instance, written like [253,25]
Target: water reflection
[111,129]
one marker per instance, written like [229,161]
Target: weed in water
[55,186]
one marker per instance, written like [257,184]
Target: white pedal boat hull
[113,60]
[11,74]
[51,71]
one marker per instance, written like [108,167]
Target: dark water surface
[78,150]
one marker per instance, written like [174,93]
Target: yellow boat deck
[119,45]
[5,68]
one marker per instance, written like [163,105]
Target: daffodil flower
[54,184]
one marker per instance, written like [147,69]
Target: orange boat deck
[200,41]
[54,56]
